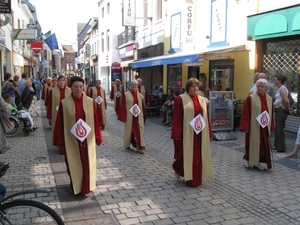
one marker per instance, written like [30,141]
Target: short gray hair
[134,82]
[263,81]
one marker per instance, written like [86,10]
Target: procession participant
[98,94]
[191,134]
[55,96]
[78,131]
[45,87]
[116,93]
[132,113]
[143,91]
[257,121]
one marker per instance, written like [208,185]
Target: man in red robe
[55,96]
[257,137]
[98,94]
[78,113]
[116,93]
[192,151]
[132,113]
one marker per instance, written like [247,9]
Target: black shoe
[163,121]
[166,124]
[34,128]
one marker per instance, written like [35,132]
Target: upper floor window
[108,8]
[102,42]
[107,40]
[103,12]
[145,12]
[158,9]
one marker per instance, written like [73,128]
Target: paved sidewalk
[141,189]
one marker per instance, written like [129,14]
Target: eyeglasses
[194,86]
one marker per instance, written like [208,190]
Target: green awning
[277,23]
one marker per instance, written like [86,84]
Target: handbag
[6,124]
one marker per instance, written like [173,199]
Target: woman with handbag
[4,121]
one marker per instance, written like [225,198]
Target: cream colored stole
[71,142]
[94,89]
[55,103]
[45,90]
[255,127]
[128,123]
[188,139]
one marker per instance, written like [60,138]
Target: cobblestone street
[141,189]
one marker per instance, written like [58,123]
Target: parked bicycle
[25,211]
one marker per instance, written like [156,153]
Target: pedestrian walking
[191,134]
[132,113]
[77,130]
[258,123]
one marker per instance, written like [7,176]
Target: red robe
[99,107]
[122,116]
[245,125]
[49,108]
[177,135]
[59,139]
[112,96]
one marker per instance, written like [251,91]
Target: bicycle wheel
[17,126]
[25,212]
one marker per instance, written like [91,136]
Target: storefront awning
[277,23]
[165,59]
[126,63]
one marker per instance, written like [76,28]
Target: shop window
[175,76]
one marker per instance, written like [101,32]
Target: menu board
[221,109]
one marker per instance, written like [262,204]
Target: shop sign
[189,24]
[5,6]
[128,12]
[126,52]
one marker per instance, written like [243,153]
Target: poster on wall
[221,112]
[116,71]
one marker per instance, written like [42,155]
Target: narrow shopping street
[141,189]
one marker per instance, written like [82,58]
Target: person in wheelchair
[21,113]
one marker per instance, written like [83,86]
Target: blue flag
[52,42]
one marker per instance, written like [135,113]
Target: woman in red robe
[71,109]
[116,93]
[192,150]
[257,137]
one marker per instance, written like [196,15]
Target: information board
[221,109]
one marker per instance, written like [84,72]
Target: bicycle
[25,211]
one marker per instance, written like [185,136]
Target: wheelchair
[18,121]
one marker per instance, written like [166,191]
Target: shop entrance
[221,75]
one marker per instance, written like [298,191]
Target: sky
[62,16]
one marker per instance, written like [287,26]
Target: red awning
[37,46]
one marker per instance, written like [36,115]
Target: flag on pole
[52,42]
[46,35]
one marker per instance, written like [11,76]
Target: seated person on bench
[22,113]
